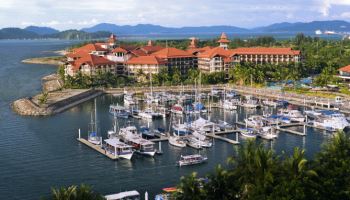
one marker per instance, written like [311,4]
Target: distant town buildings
[149,59]
[344,73]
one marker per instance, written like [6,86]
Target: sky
[77,14]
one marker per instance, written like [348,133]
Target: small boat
[191,159]
[276,119]
[203,141]
[203,125]
[146,132]
[271,103]
[120,111]
[247,132]
[130,136]
[330,120]
[229,104]
[128,100]
[250,103]
[181,129]
[193,142]
[223,125]
[129,195]
[176,141]
[293,115]
[231,94]
[118,148]
[266,133]
[177,109]
[199,107]
[254,121]
[146,114]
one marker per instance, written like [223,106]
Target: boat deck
[97,148]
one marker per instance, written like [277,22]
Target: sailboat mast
[95,116]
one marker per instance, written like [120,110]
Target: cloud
[345,15]
[326,5]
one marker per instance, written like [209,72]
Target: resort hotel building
[150,59]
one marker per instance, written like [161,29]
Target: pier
[213,135]
[97,148]
[283,127]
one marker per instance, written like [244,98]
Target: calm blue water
[37,153]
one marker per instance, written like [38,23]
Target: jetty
[283,128]
[225,139]
[97,148]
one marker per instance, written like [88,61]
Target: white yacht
[247,132]
[266,132]
[293,115]
[118,148]
[204,142]
[254,121]
[130,136]
[250,103]
[128,195]
[177,141]
[191,159]
[120,111]
[229,104]
[128,100]
[203,125]
[330,120]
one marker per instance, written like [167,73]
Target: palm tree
[84,192]
[189,188]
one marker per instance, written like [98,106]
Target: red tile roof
[89,48]
[265,51]
[223,38]
[119,49]
[217,51]
[150,60]
[138,52]
[345,69]
[91,60]
[172,53]
[151,49]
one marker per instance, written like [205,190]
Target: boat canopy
[122,195]
[115,142]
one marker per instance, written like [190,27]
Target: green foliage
[83,192]
[258,173]
[81,81]
[43,98]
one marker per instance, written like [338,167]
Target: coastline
[51,60]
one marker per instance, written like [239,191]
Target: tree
[333,167]
[83,192]
[189,188]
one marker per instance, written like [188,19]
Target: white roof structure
[115,142]
[122,195]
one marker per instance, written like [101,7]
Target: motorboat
[146,132]
[193,142]
[223,125]
[146,114]
[118,148]
[266,132]
[181,129]
[130,136]
[128,100]
[192,159]
[247,132]
[203,125]
[204,142]
[119,111]
[250,103]
[128,195]
[330,120]
[271,103]
[199,107]
[177,109]
[254,121]
[276,120]
[177,141]
[293,115]
[229,104]
[231,94]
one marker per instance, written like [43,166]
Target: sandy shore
[53,60]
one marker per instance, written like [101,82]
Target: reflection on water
[40,152]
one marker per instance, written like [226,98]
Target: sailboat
[93,136]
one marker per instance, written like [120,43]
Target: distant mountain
[307,27]
[156,29]
[41,30]
[16,33]
[78,35]
[105,29]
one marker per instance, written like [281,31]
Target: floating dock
[97,148]
[283,127]
[222,138]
